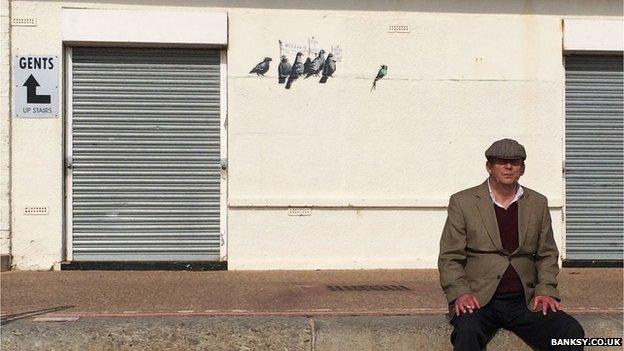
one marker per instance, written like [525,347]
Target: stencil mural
[328,68]
[262,67]
[296,70]
[380,74]
[283,70]
[315,66]
[308,60]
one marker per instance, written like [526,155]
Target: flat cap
[507,149]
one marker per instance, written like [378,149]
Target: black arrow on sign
[31,92]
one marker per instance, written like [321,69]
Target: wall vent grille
[299,211]
[36,210]
[398,28]
[26,22]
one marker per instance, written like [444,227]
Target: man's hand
[545,302]
[466,303]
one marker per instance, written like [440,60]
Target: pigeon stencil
[316,66]
[306,65]
[329,67]
[380,74]
[283,70]
[296,70]
[262,67]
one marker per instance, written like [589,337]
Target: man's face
[504,171]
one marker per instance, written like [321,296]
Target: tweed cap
[507,149]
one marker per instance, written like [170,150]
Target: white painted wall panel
[377,148]
[340,238]
[160,27]
[593,35]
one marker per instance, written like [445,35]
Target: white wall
[421,134]
[365,238]
[419,137]
[5,143]
[379,166]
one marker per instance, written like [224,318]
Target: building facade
[153,131]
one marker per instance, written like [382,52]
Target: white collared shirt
[518,195]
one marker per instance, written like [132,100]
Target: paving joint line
[611,318]
[312,334]
[296,313]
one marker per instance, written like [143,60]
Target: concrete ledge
[146,266]
[592,263]
[258,333]
[426,333]
[5,263]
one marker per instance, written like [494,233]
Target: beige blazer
[472,259]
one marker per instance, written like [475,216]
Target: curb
[264,333]
[298,313]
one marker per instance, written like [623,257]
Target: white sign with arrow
[36,92]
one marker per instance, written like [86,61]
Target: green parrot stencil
[382,73]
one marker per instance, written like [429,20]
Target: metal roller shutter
[594,157]
[145,140]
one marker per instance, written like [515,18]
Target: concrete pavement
[409,333]
[267,310]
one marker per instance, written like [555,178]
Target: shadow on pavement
[17,316]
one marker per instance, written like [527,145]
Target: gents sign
[36,86]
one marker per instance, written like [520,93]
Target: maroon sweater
[508,227]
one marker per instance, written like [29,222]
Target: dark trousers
[472,331]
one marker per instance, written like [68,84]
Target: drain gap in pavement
[368,288]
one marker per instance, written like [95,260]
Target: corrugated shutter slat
[594,157]
[146,151]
